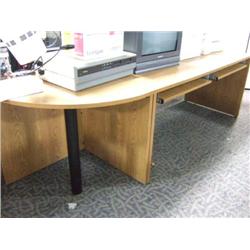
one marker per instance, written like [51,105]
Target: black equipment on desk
[154,49]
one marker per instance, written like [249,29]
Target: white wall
[235,41]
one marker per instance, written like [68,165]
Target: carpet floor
[202,169]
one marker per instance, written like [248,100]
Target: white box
[97,44]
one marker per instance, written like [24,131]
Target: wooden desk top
[130,88]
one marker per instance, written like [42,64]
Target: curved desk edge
[130,88]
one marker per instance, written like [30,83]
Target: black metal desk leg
[73,150]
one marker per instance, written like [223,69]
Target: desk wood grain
[31,140]
[224,95]
[122,135]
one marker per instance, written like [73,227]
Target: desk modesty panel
[115,120]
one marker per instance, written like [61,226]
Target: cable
[248,42]
[43,63]
[246,52]
[35,62]
[52,39]
[65,47]
[46,61]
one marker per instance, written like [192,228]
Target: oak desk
[115,120]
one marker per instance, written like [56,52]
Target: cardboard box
[97,44]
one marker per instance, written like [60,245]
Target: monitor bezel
[156,56]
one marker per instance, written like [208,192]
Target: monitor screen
[159,42]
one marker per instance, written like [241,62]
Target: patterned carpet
[202,169]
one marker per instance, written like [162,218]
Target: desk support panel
[223,95]
[32,139]
[122,135]
[73,150]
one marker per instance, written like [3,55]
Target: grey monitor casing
[133,43]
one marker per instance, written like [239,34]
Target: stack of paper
[20,86]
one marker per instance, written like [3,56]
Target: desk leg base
[73,150]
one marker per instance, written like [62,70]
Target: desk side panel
[224,95]
[31,140]
[123,136]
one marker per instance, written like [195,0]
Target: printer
[77,73]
